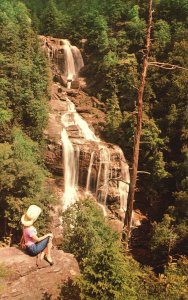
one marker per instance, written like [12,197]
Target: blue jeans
[36,248]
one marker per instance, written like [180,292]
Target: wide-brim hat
[31,215]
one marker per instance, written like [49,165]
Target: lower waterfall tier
[82,159]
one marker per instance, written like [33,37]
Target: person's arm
[37,239]
[22,242]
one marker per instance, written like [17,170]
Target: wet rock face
[29,278]
[55,51]
[100,168]
[66,60]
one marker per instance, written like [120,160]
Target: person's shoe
[49,261]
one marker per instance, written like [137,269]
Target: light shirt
[28,233]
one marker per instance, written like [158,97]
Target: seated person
[33,244]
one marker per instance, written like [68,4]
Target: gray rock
[29,278]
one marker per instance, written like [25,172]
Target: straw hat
[31,215]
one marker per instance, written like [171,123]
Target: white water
[78,60]
[71,155]
[77,158]
[89,172]
[73,61]
[70,71]
[71,163]
[87,133]
[103,175]
[70,194]
[104,172]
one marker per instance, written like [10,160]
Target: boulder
[75,84]
[29,278]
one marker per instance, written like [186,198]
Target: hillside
[70,76]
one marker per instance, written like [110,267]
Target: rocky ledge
[29,278]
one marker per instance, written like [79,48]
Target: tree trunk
[128,215]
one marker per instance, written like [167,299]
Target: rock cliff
[27,278]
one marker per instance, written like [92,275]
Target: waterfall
[70,194]
[79,63]
[71,155]
[107,165]
[77,157]
[88,134]
[73,61]
[89,172]
[70,71]
[103,175]
[70,158]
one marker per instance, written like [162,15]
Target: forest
[114,32]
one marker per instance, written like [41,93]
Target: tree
[164,239]
[128,215]
[114,116]
[24,95]
[106,273]
[51,19]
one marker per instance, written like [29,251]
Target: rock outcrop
[29,278]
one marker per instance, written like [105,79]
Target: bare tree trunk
[128,215]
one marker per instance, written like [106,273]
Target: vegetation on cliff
[107,273]
[24,82]
[112,34]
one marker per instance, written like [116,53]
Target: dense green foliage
[24,82]
[112,36]
[107,273]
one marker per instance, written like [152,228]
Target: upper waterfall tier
[66,57]
[74,150]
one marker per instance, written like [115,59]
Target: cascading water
[70,71]
[71,117]
[88,134]
[72,58]
[70,194]
[71,155]
[78,60]
[77,157]
[73,61]
[89,172]
[103,175]
[107,174]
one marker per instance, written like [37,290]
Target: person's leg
[48,249]
[44,247]
[42,254]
